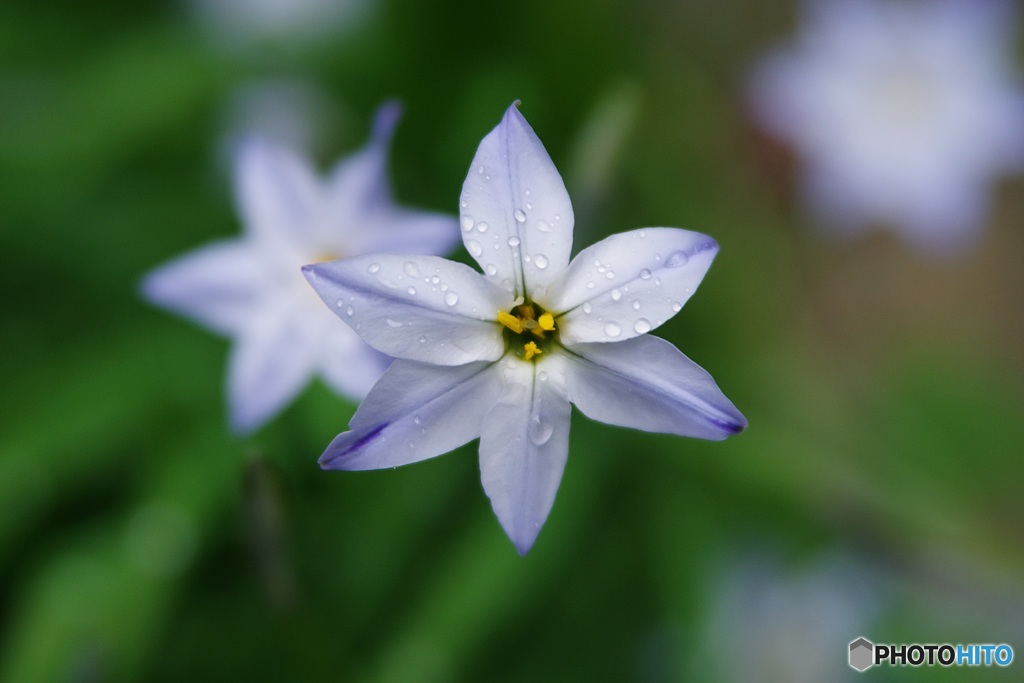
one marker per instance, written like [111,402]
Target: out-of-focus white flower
[238,22]
[252,289]
[500,354]
[902,112]
[768,624]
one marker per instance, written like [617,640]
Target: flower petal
[647,383]
[421,308]
[220,285]
[416,411]
[414,232]
[516,215]
[630,283]
[277,192]
[523,447]
[271,361]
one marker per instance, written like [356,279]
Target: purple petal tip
[329,460]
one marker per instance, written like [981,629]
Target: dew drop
[616,295]
[543,226]
[411,291]
[676,306]
[587,308]
[491,269]
[373,268]
[541,260]
[349,311]
[612,330]
[435,280]
[610,275]
[412,444]
[558,217]
[527,258]
[642,234]
[529,206]
[513,241]
[520,215]
[416,419]
[410,269]
[642,326]
[393,323]
[645,274]
[451,298]
[467,222]
[464,204]
[480,170]
[482,226]
[636,304]
[677,259]
[540,430]
[542,376]
[474,247]
[423,340]
[591,284]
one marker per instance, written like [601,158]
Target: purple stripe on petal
[731,427]
[328,462]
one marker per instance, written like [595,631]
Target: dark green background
[140,541]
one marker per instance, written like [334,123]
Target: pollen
[511,322]
[530,350]
[546,322]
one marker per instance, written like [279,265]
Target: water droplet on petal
[541,260]
[435,280]
[423,340]
[676,306]
[636,304]
[482,226]
[642,234]
[411,291]
[474,247]
[591,284]
[416,419]
[464,204]
[491,269]
[410,269]
[451,298]
[467,222]
[373,268]
[642,326]
[677,259]
[540,430]
[610,275]
[520,215]
[612,330]
[587,308]
[349,311]
[645,274]
[513,241]
[616,295]
[542,376]
[393,323]
[543,226]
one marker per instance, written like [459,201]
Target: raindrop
[645,274]
[676,306]
[543,226]
[423,340]
[527,258]
[474,247]
[558,217]
[529,206]
[416,419]
[642,326]
[482,226]
[451,298]
[491,269]
[527,192]
[540,430]
[480,170]
[597,263]
[410,269]
[349,311]
[513,241]
[612,330]
[467,222]
[464,204]
[610,275]
[636,304]
[542,376]
[411,291]
[520,215]
[616,295]
[643,234]
[541,260]
[677,259]
[591,284]
[587,308]
[412,444]
[374,267]
[435,280]
[393,323]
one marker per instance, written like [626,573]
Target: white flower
[499,356]
[251,289]
[903,112]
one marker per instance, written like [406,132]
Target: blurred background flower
[140,541]
[904,113]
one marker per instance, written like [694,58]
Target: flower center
[529,330]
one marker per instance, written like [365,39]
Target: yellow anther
[510,321]
[546,322]
[531,350]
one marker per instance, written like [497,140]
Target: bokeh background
[877,491]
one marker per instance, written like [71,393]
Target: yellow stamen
[510,321]
[546,322]
[531,351]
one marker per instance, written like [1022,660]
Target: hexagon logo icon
[862,653]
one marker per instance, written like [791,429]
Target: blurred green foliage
[140,541]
